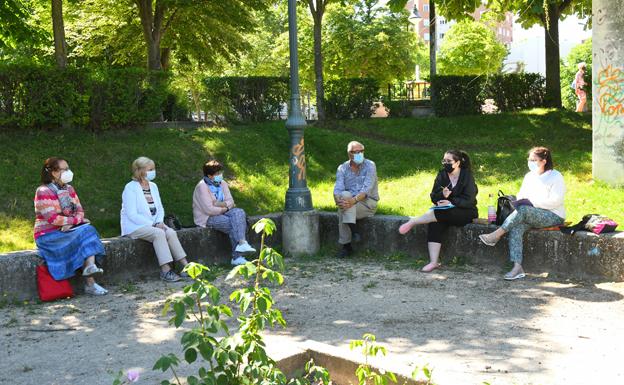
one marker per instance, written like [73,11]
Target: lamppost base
[298,199]
[300,232]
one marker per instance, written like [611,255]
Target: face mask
[448,167]
[532,166]
[150,175]
[67,176]
[218,178]
[358,158]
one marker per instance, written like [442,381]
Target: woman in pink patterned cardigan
[64,237]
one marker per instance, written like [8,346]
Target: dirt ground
[465,322]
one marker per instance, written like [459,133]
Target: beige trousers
[363,209]
[166,243]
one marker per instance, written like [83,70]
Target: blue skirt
[65,252]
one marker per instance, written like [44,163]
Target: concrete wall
[581,256]
[126,258]
[608,91]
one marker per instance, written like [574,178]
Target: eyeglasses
[356,152]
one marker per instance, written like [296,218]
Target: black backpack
[504,207]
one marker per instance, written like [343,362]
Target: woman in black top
[454,196]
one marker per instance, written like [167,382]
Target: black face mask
[448,167]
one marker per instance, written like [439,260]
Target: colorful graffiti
[610,91]
[298,159]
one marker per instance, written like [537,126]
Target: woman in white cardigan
[539,205]
[142,215]
[213,207]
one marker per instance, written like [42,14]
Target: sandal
[488,239]
[510,277]
[428,268]
[90,270]
[95,289]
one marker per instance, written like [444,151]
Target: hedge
[246,99]
[464,95]
[351,98]
[34,96]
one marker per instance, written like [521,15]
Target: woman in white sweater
[539,205]
[142,215]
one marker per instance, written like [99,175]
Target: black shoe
[356,237]
[346,251]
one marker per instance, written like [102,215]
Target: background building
[504,30]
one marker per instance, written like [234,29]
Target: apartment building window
[441,36]
[426,22]
[427,36]
[426,8]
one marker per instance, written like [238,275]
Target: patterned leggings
[523,219]
[234,223]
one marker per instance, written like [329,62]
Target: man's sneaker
[184,275]
[346,251]
[169,276]
[244,248]
[90,270]
[95,289]
[238,261]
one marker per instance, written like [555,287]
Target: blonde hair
[138,167]
[354,143]
[582,65]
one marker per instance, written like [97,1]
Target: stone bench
[581,256]
[125,259]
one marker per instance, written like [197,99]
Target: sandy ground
[465,322]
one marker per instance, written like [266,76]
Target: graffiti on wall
[610,90]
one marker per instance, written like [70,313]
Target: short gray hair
[138,167]
[354,143]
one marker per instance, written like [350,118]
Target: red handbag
[51,289]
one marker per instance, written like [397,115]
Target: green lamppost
[300,222]
[298,197]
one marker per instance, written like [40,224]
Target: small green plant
[365,374]
[426,372]
[240,357]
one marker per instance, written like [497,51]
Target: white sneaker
[90,270]
[245,248]
[238,261]
[95,290]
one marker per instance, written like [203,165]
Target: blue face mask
[217,178]
[532,166]
[358,158]
[150,175]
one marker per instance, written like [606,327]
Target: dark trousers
[456,216]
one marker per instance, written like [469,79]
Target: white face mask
[532,166]
[67,176]
[150,175]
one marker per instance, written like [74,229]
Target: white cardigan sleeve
[130,208]
[160,210]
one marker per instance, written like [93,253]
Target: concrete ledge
[126,258]
[581,256]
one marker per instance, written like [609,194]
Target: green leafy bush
[513,92]
[403,108]
[33,96]
[464,95]
[246,99]
[351,98]
[456,95]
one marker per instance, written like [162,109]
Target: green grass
[407,152]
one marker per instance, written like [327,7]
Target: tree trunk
[165,58]
[152,32]
[553,71]
[58,28]
[318,71]
[432,40]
